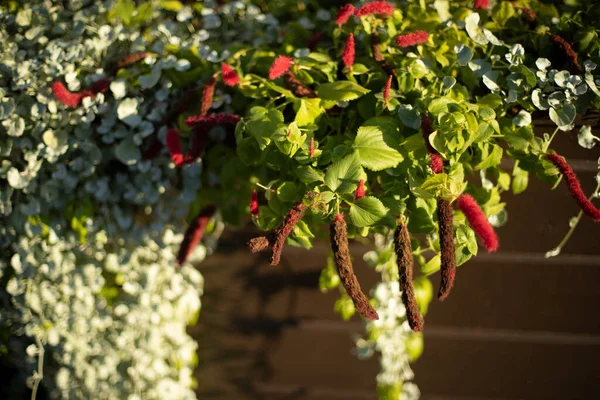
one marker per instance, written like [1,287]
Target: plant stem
[557,249]
[39,375]
[547,144]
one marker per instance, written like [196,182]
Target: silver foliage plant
[95,308]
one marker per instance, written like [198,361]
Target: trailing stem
[404,260]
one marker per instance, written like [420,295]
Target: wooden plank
[454,367]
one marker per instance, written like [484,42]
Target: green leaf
[367,211]
[248,151]
[308,111]
[144,12]
[520,179]
[493,159]
[171,5]
[124,10]
[439,105]
[263,124]
[502,13]
[343,175]
[373,142]
[341,90]
[308,174]
[563,117]
[287,192]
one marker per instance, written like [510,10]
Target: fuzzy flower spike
[574,187]
[344,14]
[229,76]
[375,7]
[411,39]
[478,221]
[279,67]
[348,55]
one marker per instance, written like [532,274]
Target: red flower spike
[130,59]
[193,234]
[375,7]
[404,259]
[311,148]
[386,89]
[279,67]
[437,164]
[338,233]
[575,187]
[174,147]
[445,215]
[482,4]
[528,14]
[62,94]
[280,234]
[344,14]
[298,88]
[360,190]
[254,209]
[207,96]
[229,76]
[411,39]
[569,52]
[100,86]
[209,121]
[478,221]
[348,55]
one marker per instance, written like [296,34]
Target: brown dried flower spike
[339,244]
[446,232]
[405,271]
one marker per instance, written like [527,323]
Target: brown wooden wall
[516,326]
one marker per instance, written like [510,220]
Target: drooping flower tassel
[230,77]
[445,215]
[404,260]
[482,4]
[311,148]
[207,96]
[212,120]
[375,7]
[575,187]
[193,234]
[348,55]
[174,147]
[360,190]
[478,221]
[386,89]
[254,207]
[344,14]
[73,99]
[569,53]
[130,60]
[411,39]
[280,66]
[339,244]
[378,55]
[280,234]
[298,88]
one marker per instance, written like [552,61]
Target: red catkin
[209,121]
[130,59]
[198,146]
[378,55]
[482,4]
[229,75]
[207,96]
[280,234]
[344,14]
[375,7]
[73,99]
[311,148]
[528,14]
[404,260]
[338,233]
[569,53]
[174,147]
[348,55]
[437,164]
[360,190]
[386,89]
[445,215]
[298,88]
[62,94]
[279,67]
[478,221]
[258,244]
[254,207]
[193,234]
[575,187]
[411,39]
